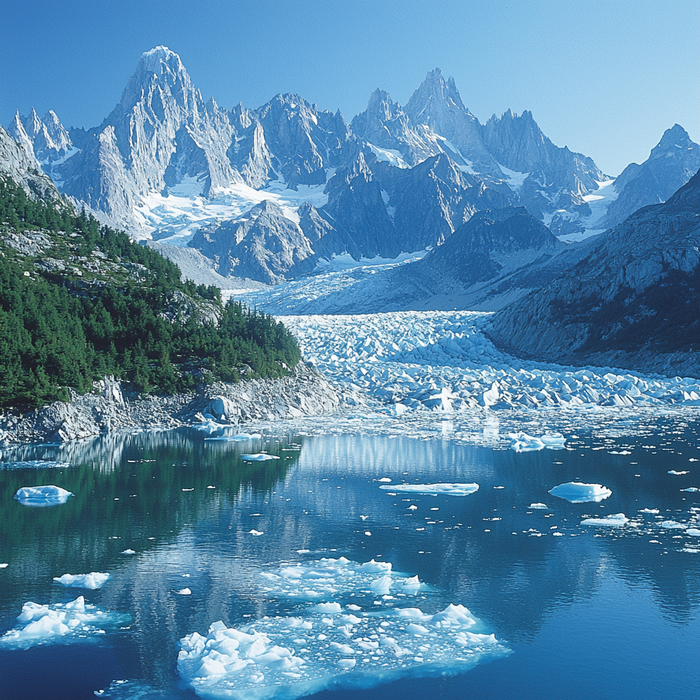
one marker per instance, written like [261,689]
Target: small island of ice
[616,520]
[42,495]
[93,580]
[576,492]
[434,489]
[260,457]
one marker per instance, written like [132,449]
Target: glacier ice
[42,495]
[522,442]
[576,492]
[435,489]
[616,520]
[330,644]
[92,580]
[60,622]
[260,457]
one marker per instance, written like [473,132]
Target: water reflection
[513,566]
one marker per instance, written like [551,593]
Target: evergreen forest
[80,301]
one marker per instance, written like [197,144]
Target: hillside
[632,302]
[80,301]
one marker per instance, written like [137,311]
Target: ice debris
[522,442]
[435,489]
[576,492]
[288,657]
[241,437]
[46,624]
[260,457]
[92,580]
[539,506]
[616,520]
[42,495]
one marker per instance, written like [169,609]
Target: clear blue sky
[603,77]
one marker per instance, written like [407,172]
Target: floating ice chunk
[241,437]
[672,525]
[381,586]
[92,580]
[411,584]
[675,473]
[327,608]
[374,567]
[616,520]
[46,624]
[434,489]
[42,495]
[4,566]
[128,551]
[260,660]
[260,457]
[208,426]
[385,480]
[256,533]
[693,531]
[539,506]
[577,492]
[184,591]
[522,442]
[651,511]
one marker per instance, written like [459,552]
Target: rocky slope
[632,302]
[671,163]
[113,407]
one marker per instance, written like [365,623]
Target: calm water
[588,612]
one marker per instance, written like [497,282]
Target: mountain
[671,163]
[632,302]
[18,164]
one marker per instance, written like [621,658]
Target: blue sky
[603,77]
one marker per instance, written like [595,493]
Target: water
[584,611]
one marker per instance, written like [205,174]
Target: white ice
[522,442]
[331,645]
[576,492]
[435,489]
[260,457]
[60,622]
[42,495]
[617,520]
[240,437]
[92,580]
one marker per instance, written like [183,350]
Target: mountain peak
[675,137]
[158,57]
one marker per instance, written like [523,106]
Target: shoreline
[111,408]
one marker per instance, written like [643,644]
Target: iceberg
[287,657]
[616,520]
[522,442]
[42,495]
[92,580]
[60,622]
[435,489]
[576,492]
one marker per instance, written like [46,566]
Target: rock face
[19,164]
[111,408]
[631,302]
[671,163]
[263,245]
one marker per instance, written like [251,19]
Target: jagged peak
[156,58]
[674,137]
[435,90]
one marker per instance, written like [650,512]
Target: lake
[577,610]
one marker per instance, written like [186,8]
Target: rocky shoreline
[112,407]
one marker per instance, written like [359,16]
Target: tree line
[59,332]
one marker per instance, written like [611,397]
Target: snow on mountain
[671,163]
[632,301]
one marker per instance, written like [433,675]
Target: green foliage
[58,330]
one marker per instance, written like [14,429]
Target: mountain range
[266,193]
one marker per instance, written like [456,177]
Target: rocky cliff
[631,302]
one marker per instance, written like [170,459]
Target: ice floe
[241,437]
[260,457]
[60,622]
[333,643]
[92,580]
[576,492]
[42,495]
[616,520]
[435,489]
[522,442]
[539,506]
